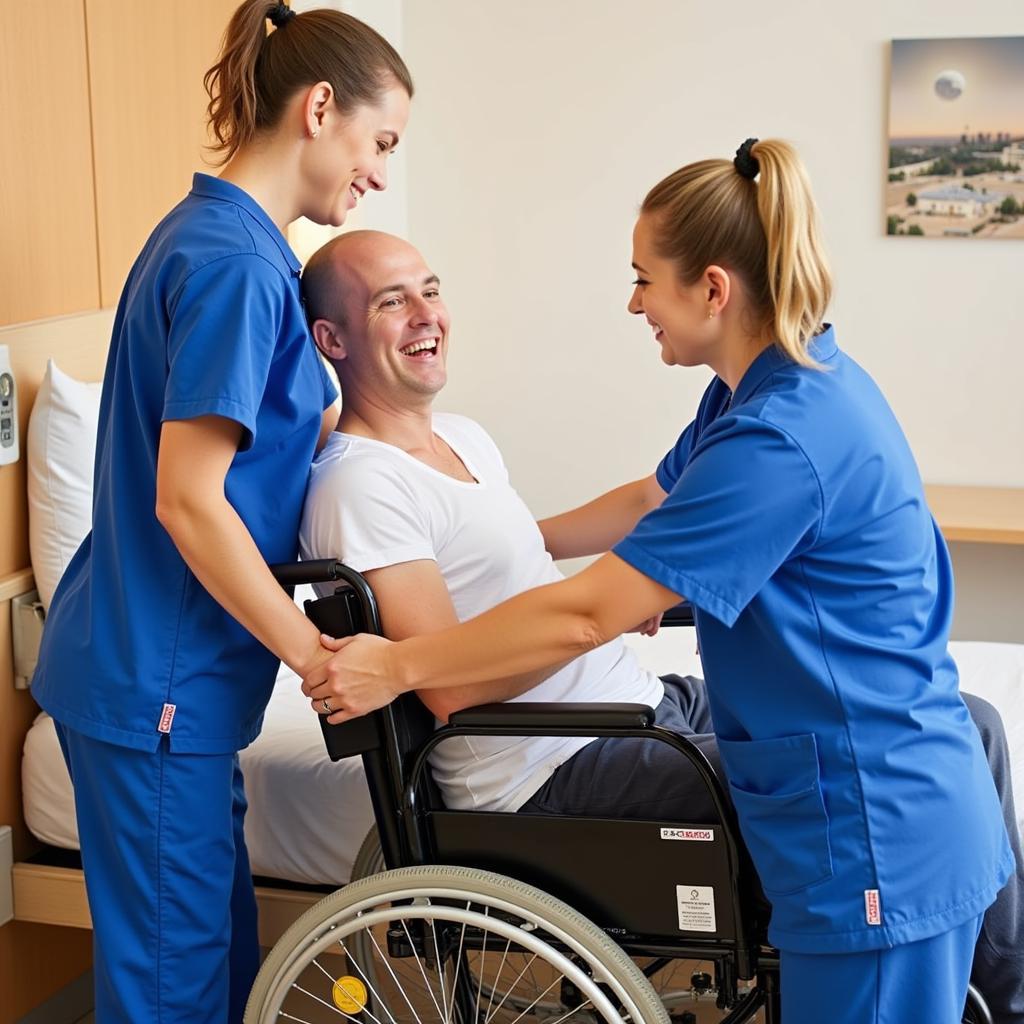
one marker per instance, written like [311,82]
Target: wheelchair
[470,917]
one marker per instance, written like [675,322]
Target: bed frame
[48,943]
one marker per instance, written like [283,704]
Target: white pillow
[61,450]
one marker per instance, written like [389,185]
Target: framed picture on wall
[956,138]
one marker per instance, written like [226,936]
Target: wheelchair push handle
[297,574]
[332,570]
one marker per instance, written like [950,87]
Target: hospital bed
[308,815]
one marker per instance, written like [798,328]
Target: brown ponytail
[766,231]
[258,73]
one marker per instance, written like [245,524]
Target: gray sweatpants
[635,778]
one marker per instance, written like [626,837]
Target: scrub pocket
[776,788]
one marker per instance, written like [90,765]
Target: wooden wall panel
[48,263]
[146,65]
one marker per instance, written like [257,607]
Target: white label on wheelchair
[696,905]
[691,835]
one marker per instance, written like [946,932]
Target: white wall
[537,128]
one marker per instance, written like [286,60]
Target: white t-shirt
[373,505]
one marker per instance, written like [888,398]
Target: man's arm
[413,600]
[599,525]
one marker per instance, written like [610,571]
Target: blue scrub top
[796,523]
[210,323]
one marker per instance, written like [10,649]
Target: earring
[711,314]
[315,132]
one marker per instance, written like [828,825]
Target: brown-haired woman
[791,514]
[164,636]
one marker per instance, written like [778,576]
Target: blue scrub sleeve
[747,502]
[225,324]
[671,467]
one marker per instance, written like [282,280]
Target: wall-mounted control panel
[9,447]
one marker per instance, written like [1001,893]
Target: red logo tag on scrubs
[872,906]
[166,718]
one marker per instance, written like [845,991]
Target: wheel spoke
[514,983]
[323,1002]
[369,984]
[458,961]
[440,961]
[430,989]
[387,963]
[494,987]
[483,963]
[572,1012]
[535,1002]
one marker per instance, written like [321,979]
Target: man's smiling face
[395,330]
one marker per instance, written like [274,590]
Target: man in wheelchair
[421,504]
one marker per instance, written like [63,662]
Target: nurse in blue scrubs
[790,512]
[164,636]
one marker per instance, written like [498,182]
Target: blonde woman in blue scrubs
[165,633]
[791,514]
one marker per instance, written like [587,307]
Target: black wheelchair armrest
[679,615]
[529,715]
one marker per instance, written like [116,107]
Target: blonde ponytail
[797,270]
[715,212]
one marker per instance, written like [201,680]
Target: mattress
[308,815]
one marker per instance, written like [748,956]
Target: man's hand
[649,627]
[357,679]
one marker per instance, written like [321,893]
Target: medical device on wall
[9,450]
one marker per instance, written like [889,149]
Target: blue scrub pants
[922,981]
[168,880]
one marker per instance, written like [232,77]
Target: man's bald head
[375,310]
[331,273]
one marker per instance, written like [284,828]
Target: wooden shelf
[984,515]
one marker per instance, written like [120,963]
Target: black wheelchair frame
[555,853]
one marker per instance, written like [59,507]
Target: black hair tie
[746,163]
[280,15]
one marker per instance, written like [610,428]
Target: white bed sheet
[308,815]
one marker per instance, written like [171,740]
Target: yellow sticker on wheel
[349,994]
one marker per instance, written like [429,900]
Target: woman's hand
[358,676]
[649,627]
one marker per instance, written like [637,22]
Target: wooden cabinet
[48,263]
[981,515]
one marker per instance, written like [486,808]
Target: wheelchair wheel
[976,1011]
[672,983]
[370,858]
[442,943]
